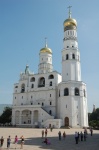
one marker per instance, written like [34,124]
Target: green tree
[94,118]
[6,115]
[94,115]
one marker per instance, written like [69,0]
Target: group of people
[82,136]
[46,140]
[60,135]
[78,136]
[15,141]
[44,132]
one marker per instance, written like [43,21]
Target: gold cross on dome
[69,11]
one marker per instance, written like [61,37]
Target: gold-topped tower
[46,49]
[70,23]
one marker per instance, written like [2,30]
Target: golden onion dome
[70,23]
[46,49]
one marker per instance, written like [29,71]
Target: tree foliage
[6,115]
[94,118]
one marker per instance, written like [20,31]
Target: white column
[32,114]
[20,118]
[13,117]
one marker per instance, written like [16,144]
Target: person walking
[64,135]
[59,134]
[85,135]
[76,137]
[8,142]
[2,141]
[81,135]
[42,133]
[46,132]
[22,141]
[16,141]
[91,131]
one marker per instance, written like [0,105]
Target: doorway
[66,121]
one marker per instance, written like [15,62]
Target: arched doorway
[66,121]
[26,117]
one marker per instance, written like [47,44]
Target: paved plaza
[33,140]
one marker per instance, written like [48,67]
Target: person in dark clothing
[91,131]
[85,136]
[59,134]
[8,142]
[2,141]
[81,135]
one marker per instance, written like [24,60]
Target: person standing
[81,135]
[91,131]
[59,134]
[16,141]
[8,142]
[42,133]
[2,141]
[85,135]
[22,141]
[46,132]
[64,135]
[76,137]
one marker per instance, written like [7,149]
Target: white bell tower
[45,60]
[72,93]
[71,69]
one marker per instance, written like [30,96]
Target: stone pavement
[33,140]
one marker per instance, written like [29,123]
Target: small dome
[46,49]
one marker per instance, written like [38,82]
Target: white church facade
[49,98]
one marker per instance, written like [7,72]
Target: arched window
[51,76]
[76,91]
[50,83]
[84,93]
[22,88]
[50,103]
[32,79]
[50,112]
[32,85]
[42,104]
[16,86]
[41,82]
[67,57]
[66,92]
[73,56]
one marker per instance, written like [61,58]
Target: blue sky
[24,24]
